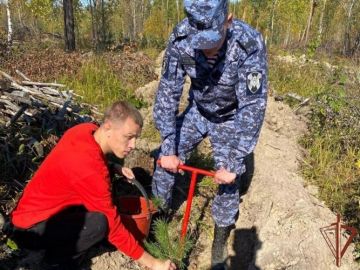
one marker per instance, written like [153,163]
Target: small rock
[273,121]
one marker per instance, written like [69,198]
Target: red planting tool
[338,228]
[194,173]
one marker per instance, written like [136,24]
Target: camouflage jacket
[234,89]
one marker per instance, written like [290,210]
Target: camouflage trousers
[191,129]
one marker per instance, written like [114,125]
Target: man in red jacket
[66,208]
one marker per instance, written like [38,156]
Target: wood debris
[33,115]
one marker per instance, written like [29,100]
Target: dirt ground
[280,214]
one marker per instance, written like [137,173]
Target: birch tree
[273,8]
[9,27]
[313,4]
[347,34]
[321,21]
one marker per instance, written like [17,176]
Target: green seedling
[168,245]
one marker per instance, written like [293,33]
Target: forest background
[314,52]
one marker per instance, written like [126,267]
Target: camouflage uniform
[226,102]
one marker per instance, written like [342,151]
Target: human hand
[224,177]
[128,173]
[170,163]
[155,264]
[164,265]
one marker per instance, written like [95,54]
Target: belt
[219,118]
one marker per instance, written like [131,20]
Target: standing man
[66,208]
[226,62]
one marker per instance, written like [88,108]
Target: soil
[280,214]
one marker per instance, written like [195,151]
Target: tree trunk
[9,25]
[321,22]
[134,20]
[93,25]
[142,16]
[243,17]
[274,2]
[177,10]
[310,18]
[103,25]
[167,16]
[287,38]
[347,35]
[69,25]
[356,45]
[20,16]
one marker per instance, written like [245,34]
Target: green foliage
[152,52]
[305,79]
[111,24]
[168,244]
[312,47]
[285,78]
[99,85]
[156,29]
[40,8]
[11,244]
[334,150]
[150,133]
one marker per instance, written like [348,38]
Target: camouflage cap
[206,19]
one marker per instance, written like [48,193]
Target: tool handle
[191,169]
[144,194]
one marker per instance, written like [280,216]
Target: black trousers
[65,236]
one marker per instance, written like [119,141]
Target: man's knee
[225,208]
[99,224]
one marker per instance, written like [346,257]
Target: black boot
[219,247]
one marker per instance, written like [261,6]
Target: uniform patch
[165,64]
[188,61]
[254,81]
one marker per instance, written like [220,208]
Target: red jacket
[74,173]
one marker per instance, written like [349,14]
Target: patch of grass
[337,175]
[97,84]
[168,244]
[307,80]
[151,133]
[333,141]
[152,52]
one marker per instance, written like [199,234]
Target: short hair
[121,110]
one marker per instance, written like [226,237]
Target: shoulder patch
[165,64]
[254,83]
[187,61]
[249,46]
